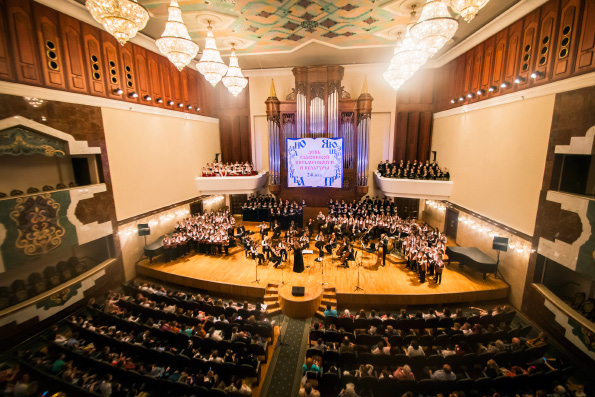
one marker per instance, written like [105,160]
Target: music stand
[283,282]
[357,287]
[257,281]
[322,272]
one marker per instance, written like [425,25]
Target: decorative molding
[504,20]
[82,99]
[573,83]
[74,147]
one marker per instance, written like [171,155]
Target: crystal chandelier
[435,26]
[175,42]
[233,80]
[211,65]
[121,18]
[468,9]
[407,60]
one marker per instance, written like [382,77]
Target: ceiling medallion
[175,42]
[121,18]
[211,65]
[468,9]
[234,80]
[435,26]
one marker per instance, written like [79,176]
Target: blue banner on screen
[314,162]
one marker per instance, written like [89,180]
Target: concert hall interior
[297,197]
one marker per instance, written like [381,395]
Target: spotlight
[118,91]
[481,92]
[470,95]
[519,80]
[189,107]
[147,98]
[453,100]
[461,99]
[180,105]
[493,88]
[159,100]
[505,84]
[536,74]
[170,102]
[133,95]
[197,109]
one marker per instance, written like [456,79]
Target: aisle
[283,378]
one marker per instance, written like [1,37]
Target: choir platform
[389,286]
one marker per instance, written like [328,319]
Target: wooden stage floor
[391,286]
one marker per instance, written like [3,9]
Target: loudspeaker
[500,244]
[298,291]
[143,229]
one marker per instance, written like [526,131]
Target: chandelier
[407,60]
[468,9]
[435,26]
[121,18]
[175,42]
[234,80]
[211,65]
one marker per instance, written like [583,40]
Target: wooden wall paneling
[469,60]
[488,64]
[155,79]
[95,65]
[476,73]
[427,91]
[143,77]
[460,79]
[425,132]
[499,62]
[166,82]
[6,68]
[548,26]
[112,65]
[129,78]
[225,127]
[23,42]
[440,89]
[401,136]
[74,62]
[185,89]
[193,89]
[529,48]
[513,54]
[175,84]
[586,47]
[452,83]
[567,43]
[49,46]
[246,139]
[412,135]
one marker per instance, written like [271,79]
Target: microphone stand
[257,281]
[357,287]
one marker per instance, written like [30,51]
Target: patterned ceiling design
[267,26]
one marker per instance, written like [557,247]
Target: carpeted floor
[283,378]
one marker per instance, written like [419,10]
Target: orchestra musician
[266,247]
[320,243]
[256,255]
[347,255]
[276,256]
[384,243]
[332,243]
[264,229]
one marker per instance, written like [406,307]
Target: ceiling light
[407,60]
[519,80]
[211,65]
[118,91]
[35,102]
[435,26]
[536,74]
[147,98]
[481,92]
[505,84]
[175,42]
[493,88]
[170,102]
[121,18]
[234,80]
[159,100]
[133,95]
[468,9]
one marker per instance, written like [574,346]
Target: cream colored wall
[472,232]
[154,159]
[496,158]
[23,172]
[383,110]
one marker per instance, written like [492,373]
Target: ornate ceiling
[282,33]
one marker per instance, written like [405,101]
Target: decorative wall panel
[112,66]
[529,49]
[566,47]
[74,63]
[142,75]
[586,46]
[49,46]
[513,51]
[96,70]
[129,83]
[23,44]
[6,71]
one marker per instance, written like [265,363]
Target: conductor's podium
[300,306]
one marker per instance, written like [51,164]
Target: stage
[391,286]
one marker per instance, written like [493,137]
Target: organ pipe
[274,127]
[364,112]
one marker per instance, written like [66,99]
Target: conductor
[298,259]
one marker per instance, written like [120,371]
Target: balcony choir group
[209,233]
[417,170]
[274,208]
[228,169]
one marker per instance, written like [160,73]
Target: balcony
[414,188]
[231,184]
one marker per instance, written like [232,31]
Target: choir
[415,170]
[229,169]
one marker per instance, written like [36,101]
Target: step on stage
[390,286]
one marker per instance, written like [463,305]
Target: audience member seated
[308,391]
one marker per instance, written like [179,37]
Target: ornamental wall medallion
[17,142]
[37,221]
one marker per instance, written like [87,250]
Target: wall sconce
[453,100]
[536,74]
[170,102]
[189,107]
[159,100]
[481,92]
[118,91]
[133,95]
[197,109]
[519,80]
[493,88]
[147,98]
[461,99]
[470,95]
[505,84]
[180,105]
